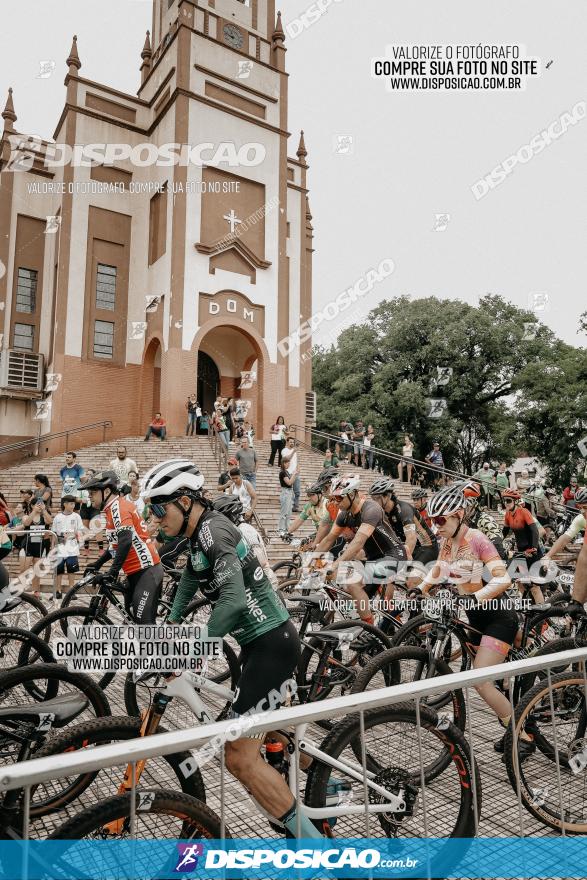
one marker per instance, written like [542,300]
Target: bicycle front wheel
[160,814]
[46,797]
[557,800]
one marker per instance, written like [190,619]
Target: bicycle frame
[184,688]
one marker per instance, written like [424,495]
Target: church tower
[185,260]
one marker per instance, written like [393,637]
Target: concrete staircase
[199,450]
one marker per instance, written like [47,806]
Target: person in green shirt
[330,459]
[486,477]
[227,572]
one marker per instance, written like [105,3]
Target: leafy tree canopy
[514,388]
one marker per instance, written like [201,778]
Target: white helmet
[447,501]
[170,480]
[345,485]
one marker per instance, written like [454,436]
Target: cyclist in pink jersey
[464,553]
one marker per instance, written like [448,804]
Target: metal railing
[26,774]
[391,457]
[44,438]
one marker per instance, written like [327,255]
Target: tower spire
[302,152]
[73,60]
[146,55]
[277,41]
[8,114]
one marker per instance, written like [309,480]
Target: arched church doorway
[233,351]
[208,381]
[150,382]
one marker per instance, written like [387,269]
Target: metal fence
[30,773]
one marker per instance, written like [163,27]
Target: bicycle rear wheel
[394,748]
[31,685]
[26,614]
[13,641]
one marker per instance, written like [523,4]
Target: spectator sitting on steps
[157,427]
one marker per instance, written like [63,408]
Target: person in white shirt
[122,465]
[243,490]
[69,529]
[290,456]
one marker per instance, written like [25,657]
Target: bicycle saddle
[63,708]
[310,599]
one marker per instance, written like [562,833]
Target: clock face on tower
[233,36]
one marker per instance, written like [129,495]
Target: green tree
[386,371]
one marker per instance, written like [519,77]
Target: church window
[106,287]
[103,339]
[26,291]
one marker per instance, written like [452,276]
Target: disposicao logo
[187,857]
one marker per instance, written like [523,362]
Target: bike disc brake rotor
[396,781]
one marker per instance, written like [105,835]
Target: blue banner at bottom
[496,857]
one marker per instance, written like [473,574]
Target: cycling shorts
[499,623]
[267,663]
[142,597]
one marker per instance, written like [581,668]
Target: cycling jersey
[426,537]
[122,517]
[316,512]
[469,557]
[578,525]
[225,569]
[383,541]
[522,524]
[400,518]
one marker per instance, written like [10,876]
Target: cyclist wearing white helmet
[223,567]
[373,538]
[463,555]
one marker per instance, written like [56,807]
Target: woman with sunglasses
[521,522]
[464,553]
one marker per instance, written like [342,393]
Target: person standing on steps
[248,462]
[406,460]
[278,432]
[194,412]
[291,459]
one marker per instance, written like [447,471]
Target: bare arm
[580,586]
[356,545]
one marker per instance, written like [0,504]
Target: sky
[391,172]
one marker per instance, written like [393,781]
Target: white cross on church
[232,219]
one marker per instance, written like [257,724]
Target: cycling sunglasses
[158,510]
[508,500]
[438,520]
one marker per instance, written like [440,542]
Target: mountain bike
[392,748]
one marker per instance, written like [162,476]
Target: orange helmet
[511,493]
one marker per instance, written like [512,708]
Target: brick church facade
[133,281]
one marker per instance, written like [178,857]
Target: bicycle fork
[150,722]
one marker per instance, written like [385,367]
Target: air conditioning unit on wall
[21,370]
[311,408]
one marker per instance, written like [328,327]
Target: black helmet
[231,506]
[382,486]
[327,476]
[315,489]
[419,493]
[103,480]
